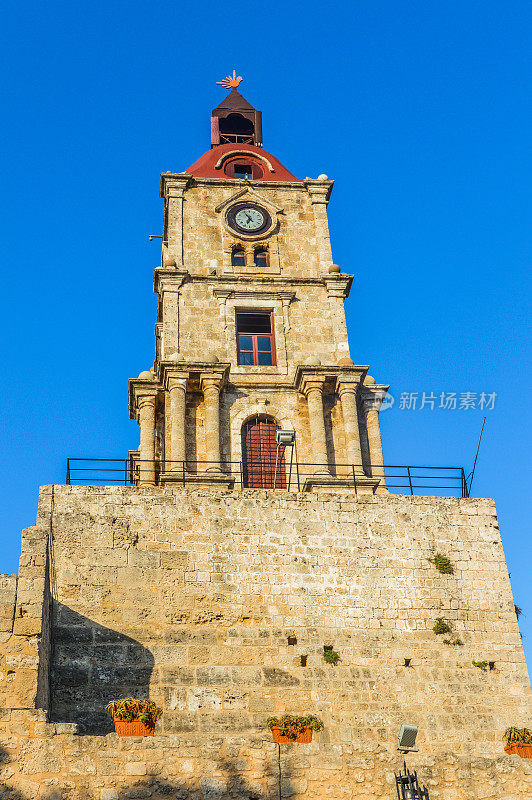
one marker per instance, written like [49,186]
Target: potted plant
[518,742]
[134,717]
[288,728]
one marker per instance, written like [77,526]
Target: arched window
[236,128]
[260,258]
[242,168]
[263,463]
[238,257]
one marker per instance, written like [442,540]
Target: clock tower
[224,602]
[251,335]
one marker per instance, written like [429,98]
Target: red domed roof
[211,163]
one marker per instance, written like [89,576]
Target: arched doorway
[260,455]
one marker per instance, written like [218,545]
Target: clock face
[249,218]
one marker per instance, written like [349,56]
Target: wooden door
[259,455]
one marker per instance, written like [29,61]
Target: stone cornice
[319,189]
[262,293]
[165,279]
[237,183]
[173,180]
[347,372]
[229,282]
[339,284]
[207,370]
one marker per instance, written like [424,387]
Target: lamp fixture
[285,438]
[408,787]
[407,738]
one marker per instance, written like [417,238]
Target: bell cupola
[234,120]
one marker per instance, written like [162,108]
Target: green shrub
[130,709]
[443,564]
[440,626]
[483,665]
[517,736]
[331,657]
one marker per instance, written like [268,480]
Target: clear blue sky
[420,111]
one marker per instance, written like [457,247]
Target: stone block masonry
[218,605]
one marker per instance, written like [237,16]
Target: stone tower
[251,333]
[217,578]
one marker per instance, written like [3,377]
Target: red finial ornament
[230,82]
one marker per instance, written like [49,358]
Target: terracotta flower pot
[134,728]
[521,750]
[302,737]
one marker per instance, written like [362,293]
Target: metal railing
[398,479]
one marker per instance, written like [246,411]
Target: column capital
[315,374]
[211,381]
[146,399]
[312,383]
[373,398]
[350,378]
[174,376]
[175,382]
[139,388]
[346,387]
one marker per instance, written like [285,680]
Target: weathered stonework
[200,293]
[189,596]
[217,601]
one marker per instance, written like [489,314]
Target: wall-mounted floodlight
[407,738]
[285,438]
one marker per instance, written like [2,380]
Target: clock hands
[249,219]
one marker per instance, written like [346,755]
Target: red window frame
[255,336]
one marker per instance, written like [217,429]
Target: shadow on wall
[91,665]
[229,784]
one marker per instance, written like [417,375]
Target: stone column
[177,388]
[348,398]
[319,192]
[174,190]
[146,414]
[338,287]
[372,404]
[211,396]
[313,391]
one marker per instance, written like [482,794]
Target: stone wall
[288,408]
[218,605]
[193,594]
[25,646]
[207,243]
[204,324]
[51,762]
[8,599]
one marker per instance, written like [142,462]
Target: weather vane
[230,82]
